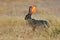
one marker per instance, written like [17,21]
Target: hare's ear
[30,7]
[33,9]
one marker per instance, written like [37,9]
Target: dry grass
[14,27]
[19,29]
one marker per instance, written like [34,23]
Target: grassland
[14,27]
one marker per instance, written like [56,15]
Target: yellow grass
[16,28]
[19,29]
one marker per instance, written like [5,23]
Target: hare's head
[32,10]
[28,16]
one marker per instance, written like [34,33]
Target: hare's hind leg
[46,24]
[46,27]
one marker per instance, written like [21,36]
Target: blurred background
[10,8]
[14,27]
